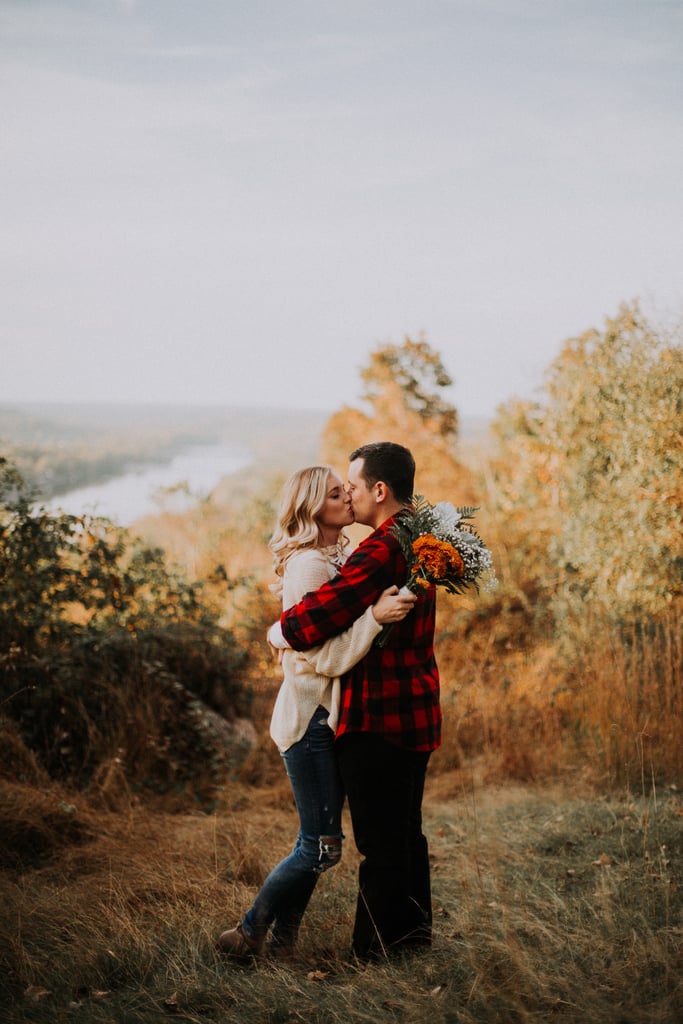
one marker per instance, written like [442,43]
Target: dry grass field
[551,904]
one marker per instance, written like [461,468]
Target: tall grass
[607,705]
[629,693]
[548,906]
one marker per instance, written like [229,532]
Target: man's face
[362,497]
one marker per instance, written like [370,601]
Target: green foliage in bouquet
[441,547]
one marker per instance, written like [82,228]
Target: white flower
[447,516]
[436,526]
[468,538]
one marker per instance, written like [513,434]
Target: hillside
[550,904]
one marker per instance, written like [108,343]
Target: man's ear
[381,492]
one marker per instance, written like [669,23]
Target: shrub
[109,655]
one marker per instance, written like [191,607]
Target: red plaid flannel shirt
[393,690]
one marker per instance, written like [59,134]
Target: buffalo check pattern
[394,690]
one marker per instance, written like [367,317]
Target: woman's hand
[277,643]
[393,605]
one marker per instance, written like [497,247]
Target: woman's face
[336,511]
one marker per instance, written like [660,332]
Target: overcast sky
[235,201]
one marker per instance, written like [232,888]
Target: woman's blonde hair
[303,497]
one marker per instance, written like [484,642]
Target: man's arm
[339,653]
[376,564]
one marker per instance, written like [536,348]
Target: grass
[550,904]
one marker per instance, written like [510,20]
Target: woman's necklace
[334,554]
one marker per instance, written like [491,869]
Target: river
[171,486]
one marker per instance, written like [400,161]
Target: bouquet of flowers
[441,549]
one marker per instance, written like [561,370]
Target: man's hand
[393,605]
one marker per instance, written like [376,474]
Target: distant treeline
[58,448]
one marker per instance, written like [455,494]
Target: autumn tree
[403,384]
[403,401]
[615,415]
[521,492]
[592,474]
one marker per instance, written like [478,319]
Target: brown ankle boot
[234,943]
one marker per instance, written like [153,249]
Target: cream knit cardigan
[312,677]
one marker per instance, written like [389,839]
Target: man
[390,716]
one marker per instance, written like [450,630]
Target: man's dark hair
[391,463]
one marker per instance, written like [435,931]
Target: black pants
[384,786]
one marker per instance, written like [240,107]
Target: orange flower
[436,559]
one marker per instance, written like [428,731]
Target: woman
[308,546]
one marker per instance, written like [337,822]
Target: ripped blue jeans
[312,769]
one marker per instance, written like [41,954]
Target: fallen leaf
[36,993]
[603,861]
